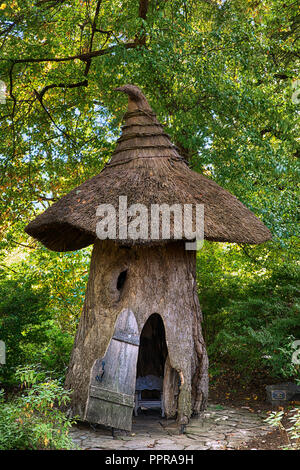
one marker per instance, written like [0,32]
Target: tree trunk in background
[157,279]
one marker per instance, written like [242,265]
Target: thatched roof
[147,168]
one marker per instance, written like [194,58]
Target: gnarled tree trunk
[158,279]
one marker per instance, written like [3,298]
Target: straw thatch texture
[147,168]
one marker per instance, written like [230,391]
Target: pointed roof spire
[136,99]
[142,134]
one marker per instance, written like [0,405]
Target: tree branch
[10,269]
[49,3]
[84,57]
[40,99]
[94,25]
[245,250]
[44,198]
[22,244]
[62,85]
[143,10]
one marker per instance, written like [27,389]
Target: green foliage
[293,431]
[219,75]
[22,315]
[253,318]
[32,420]
[54,352]
[30,325]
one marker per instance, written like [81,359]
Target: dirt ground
[227,389]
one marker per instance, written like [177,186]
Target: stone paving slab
[219,428]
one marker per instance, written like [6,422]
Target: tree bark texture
[159,279]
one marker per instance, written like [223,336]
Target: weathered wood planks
[112,387]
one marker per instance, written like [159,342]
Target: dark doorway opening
[153,352]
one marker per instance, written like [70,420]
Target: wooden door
[112,389]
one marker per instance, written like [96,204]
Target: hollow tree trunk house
[141,315]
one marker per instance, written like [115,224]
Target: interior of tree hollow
[153,352]
[121,279]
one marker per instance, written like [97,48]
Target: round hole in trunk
[121,279]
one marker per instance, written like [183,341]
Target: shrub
[23,309]
[292,432]
[32,420]
[29,329]
[250,321]
[53,353]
